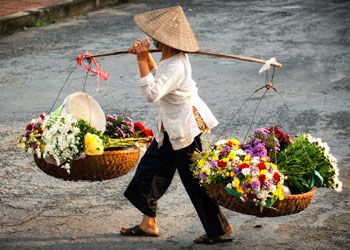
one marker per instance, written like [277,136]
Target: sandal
[137,231]
[204,239]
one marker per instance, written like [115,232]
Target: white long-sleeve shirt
[172,87]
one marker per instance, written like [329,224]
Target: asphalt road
[310,38]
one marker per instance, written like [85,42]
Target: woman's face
[156,43]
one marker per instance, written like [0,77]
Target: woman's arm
[151,63]
[144,58]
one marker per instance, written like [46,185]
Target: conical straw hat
[83,106]
[170,27]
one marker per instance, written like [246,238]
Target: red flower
[29,126]
[261,166]
[251,196]
[139,126]
[244,165]
[148,132]
[229,143]
[276,177]
[262,178]
[222,164]
[281,136]
[142,131]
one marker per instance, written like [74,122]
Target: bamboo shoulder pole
[200,52]
[231,56]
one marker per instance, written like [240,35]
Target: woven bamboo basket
[290,205]
[111,164]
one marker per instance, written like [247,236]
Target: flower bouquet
[270,175]
[72,149]
[123,132]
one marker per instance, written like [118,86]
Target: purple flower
[225,150]
[269,183]
[203,176]
[245,185]
[255,184]
[212,164]
[237,170]
[254,170]
[34,145]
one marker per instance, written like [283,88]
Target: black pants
[154,175]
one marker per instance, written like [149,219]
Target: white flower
[240,152]
[61,139]
[332,159]
[326,149]
[229,186]
[220,142]
[207,169]
[66,167]
[336,169]
[319,142]
[270,175]
[311,139]
[246,171]
[338,186]
[255,161]
[273,188]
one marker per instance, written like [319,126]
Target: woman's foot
[148,227]
[229,230]
[205,239]
[136,231]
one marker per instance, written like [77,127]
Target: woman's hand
[140,48]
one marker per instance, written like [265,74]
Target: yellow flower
[225,159]
[201,162]
[93,144]
[263,159]
[195,154]
[227,173]
[279,192]
[247,158]
[235,142]
[216,157]
[239,190]
[235,182]
[231,155]
[281,197]
[274,165]
[205,170]
[249,179]
[263,172]
[232,173]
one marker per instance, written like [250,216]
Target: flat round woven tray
[110,165]
[290,205]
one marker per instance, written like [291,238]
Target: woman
[183,116]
